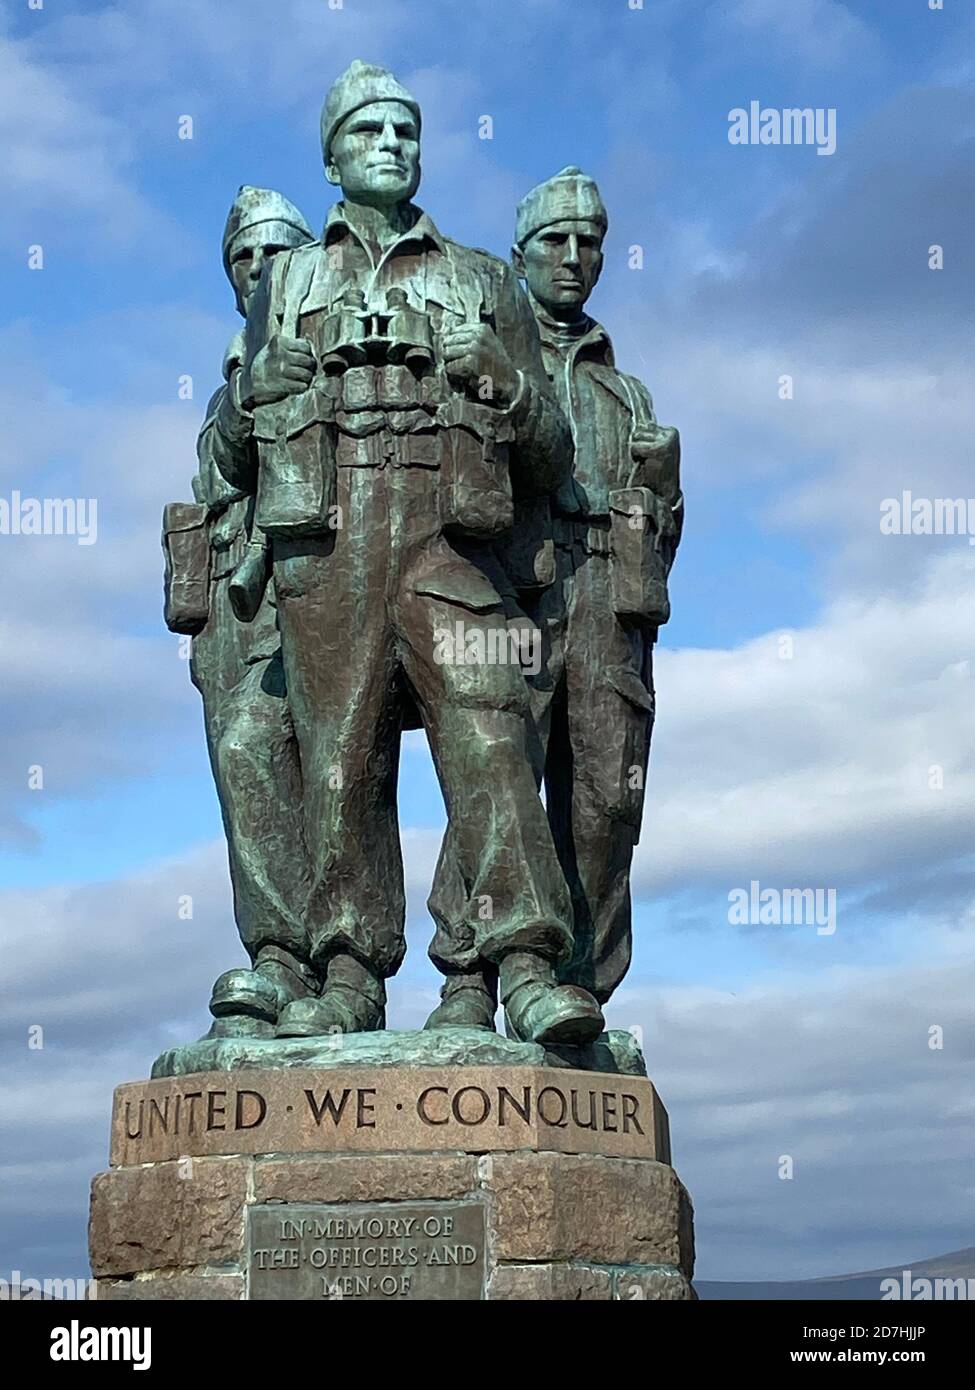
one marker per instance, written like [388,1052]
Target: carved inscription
[372,1251]
[374,1109]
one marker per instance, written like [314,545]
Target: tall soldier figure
[399,404]
[236,662]
[615,525]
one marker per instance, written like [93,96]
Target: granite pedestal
[517,1178]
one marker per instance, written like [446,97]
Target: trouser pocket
[626,722]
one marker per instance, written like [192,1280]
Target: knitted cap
[360,85]
[570,195]
[253,206]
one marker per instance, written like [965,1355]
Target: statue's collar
[423,229]
[585,335]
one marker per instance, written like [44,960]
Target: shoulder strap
[640,410]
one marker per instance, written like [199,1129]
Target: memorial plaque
[370,1251]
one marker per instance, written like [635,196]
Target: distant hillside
[957,1264]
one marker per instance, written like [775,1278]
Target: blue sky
[807,771]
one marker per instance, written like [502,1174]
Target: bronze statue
[400,408]
[409,452]
[590,566]
[219,560]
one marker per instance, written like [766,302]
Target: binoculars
[354,336]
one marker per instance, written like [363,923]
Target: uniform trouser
[254,757]
[362,613]
[592,706]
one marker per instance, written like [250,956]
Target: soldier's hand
[651,441]
[657,449]
[283,367]
[476,357]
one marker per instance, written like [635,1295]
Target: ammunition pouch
[187,579]
[475,486]
[640,524]
[389,388]
[296,480]
[250,579]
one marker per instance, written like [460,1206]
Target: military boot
[467,1001]
[538,1009]
[353,1000]
[247,1003]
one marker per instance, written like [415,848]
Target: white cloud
[62,154]
[820,764]
[836,1071]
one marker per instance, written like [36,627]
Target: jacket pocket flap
[291,417]
[183,516]
[464,586]
[631,501]
[628,684]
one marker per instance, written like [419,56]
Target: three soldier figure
[409,443]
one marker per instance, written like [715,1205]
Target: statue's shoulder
[308,252]
[297,260]
[489,267]
[638,392]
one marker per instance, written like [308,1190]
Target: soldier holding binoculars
[400,408]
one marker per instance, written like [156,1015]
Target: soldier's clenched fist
[283,367]
[473,353]
[656,450]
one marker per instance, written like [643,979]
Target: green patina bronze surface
[614,1052]
[425,498]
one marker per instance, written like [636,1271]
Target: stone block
[369,1178]
[560,1207]
[168,1215]
[550,1282]
[172,1288]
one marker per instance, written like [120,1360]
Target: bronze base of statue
[233,1044]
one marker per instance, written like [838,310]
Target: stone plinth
[498,1182]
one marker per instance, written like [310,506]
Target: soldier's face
[375,155]
[250,251]
[561,264]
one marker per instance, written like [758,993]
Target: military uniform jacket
[606,409]
[304,289]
